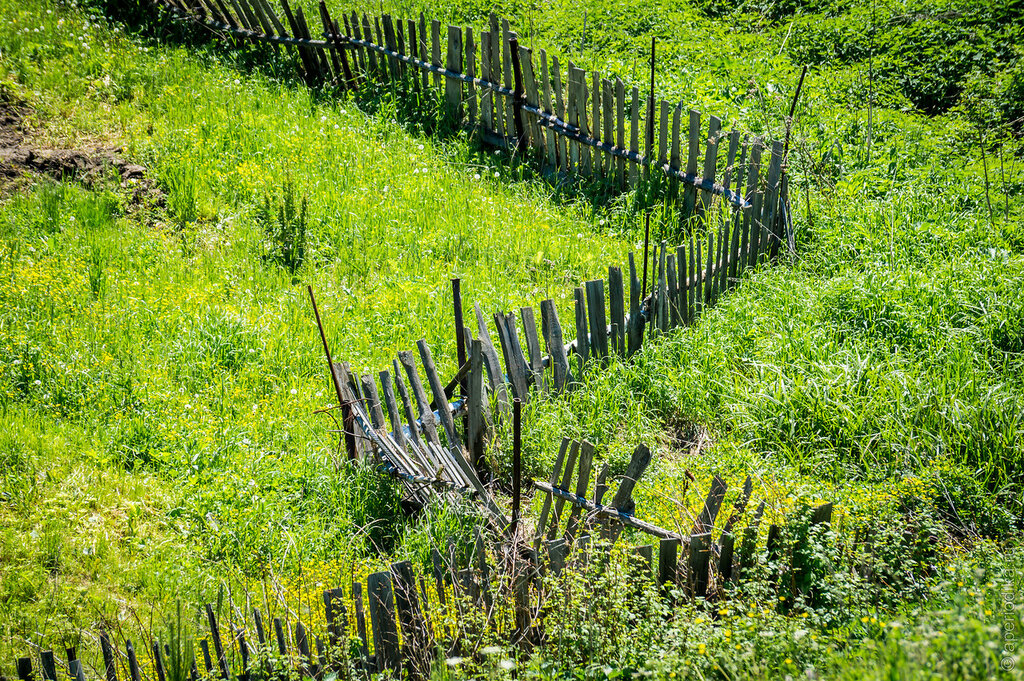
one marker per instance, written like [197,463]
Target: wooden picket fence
[408,441]
[575,124]
[401,621]
[398,620]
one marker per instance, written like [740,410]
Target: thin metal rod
[792,112]
[609,512]
[517,469]
[460,332]
[327,349]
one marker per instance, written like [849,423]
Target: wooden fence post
[518,97]
[382,619]
[478,411]
[700,555]
[668,551]
[453,86]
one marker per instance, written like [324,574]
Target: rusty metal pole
[517,464]
[460,348]
[346,411]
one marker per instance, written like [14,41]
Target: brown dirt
[21,156]
[684,438]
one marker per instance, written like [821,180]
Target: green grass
[159,365]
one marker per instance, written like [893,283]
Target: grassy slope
[188,357]
[172,413]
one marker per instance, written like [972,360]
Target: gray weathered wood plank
[597,319]
[495,374]
[369,388]
[663,138]
[533,348]
[486,94]
[668,560]
[564,484]
[634,327]
[699,562]
[444,411]
[435,50]
[750,225]
[673,291]
[469,67]
[560,109]
[638,463]
[495,57]
[586,459]
[662,300]
[550,138]
[506,75]
[693,149]
[479,413]
[424,53]
[556,474]
[608,131]
[617,310]
[683,281]
[706,520]
[553,340]
[392,407]
[710,166]
[515,362]
[572,111]
[770,211]
[382,621]
[582,337]
[453,86]
[427,420]
[532,98]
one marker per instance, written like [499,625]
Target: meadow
[160,368]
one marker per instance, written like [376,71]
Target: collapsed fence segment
[573,123]
[408,438]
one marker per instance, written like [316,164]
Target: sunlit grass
[159,366]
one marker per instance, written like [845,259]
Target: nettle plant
[284,228]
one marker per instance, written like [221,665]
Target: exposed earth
[19,154]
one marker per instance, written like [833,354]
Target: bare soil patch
[21,156]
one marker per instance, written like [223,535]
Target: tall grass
[159,370]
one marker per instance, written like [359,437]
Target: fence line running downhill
[735,217]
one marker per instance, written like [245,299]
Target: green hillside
[160,369]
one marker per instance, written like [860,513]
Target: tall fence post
[518,96]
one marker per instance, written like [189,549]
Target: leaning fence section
[574,123]
[401,619]
[438,443]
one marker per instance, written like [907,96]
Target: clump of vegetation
[284,228]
